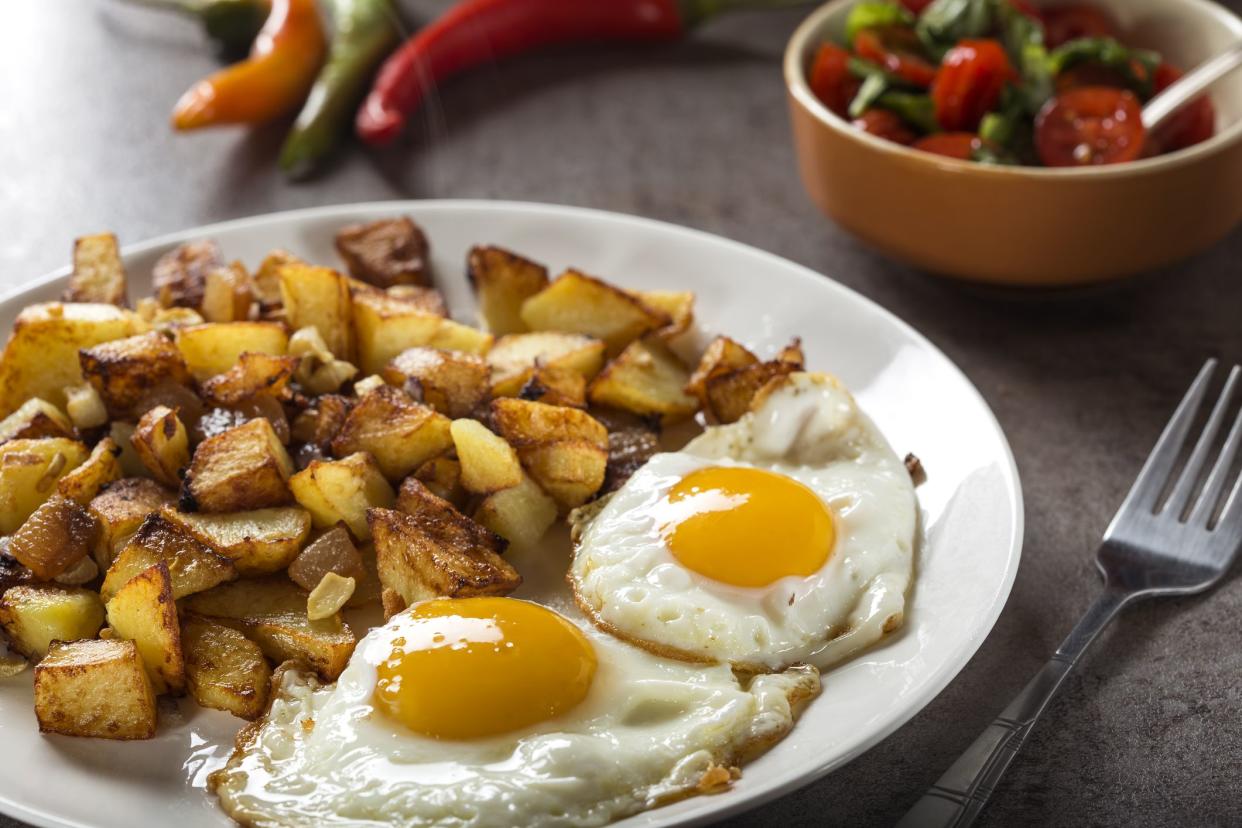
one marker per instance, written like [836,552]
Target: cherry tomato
[950,144]
[1023,7]
[969,83]
[897,49]
[1194,123]
[831,80]
[1065,23]
[916,6]
[1090,125]
[884,124]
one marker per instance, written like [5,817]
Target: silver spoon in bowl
[1188,87]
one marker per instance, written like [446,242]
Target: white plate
[971,503]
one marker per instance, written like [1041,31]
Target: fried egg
[498,712]
[784,538]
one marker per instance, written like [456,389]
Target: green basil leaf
[872,88]
[916,110]
[945,22]
[1108,53]
[871,14]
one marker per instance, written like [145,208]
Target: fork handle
[961,793]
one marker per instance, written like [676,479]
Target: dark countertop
[1146,731]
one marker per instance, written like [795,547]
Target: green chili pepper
[365,32]
[231,24]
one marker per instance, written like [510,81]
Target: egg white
[811,430]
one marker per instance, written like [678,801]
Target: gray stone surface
[1146,732]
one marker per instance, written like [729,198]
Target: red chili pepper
[475,32]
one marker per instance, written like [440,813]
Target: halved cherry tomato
[916,6]
[950,144]
[1065,23]
[831,80]
[1194,123]
[884,124]
[897,49]
[1091,125]
[969,83]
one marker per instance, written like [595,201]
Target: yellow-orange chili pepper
[273,81]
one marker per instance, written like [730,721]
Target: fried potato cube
[34,419]
[317,426]
[333,551]
[729,394]
[440,553]
[343,490]
[555,385]
[192,565]
[121,509]
[56,536]
[227,295]
[257,542]
[98,273]
[29,473]
[224,670]
[679,305]
[162,445]
[386,326]
[452,382]
[513,358]
[265,283]
[85,407]
[721,356]
[94,688]
[41,357]
[318,371]
[399,433]
[125,370]
[254,374]
[577,303]
[142,611]
[429,299]
[520,514]
[502,281]
[167,320]
[271,611]
[35,615]
[319,297]
[442,475]
[180,275]
[647,379]
[101,468]
[215,347]
[391,602]
[246,467]
[488,463]
[564,449]
[386,252]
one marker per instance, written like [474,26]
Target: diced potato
[386,252]
[100,469]
[34,419]
[488,463]
[392,602]
[317,426]
[399,433]
[56,536]
[215,348]
[85,407]
[253,374]
[271,612]
[266,280]
[564,449]
[142,611]
[502,281]
[226,294]
[41,357]
[577,303]
[679,305]
[98,273]
[555,385]
[224,670]
[520,514]
[721,356]
[167,320]
[429,299]
[442,475]
[162,445]
[94,688]
[246,467]
[257,542]
[451,382]
[454,336]
[121,509]
[180,275]
[647,379]
[29,473]
[192,565]
[319,297]
[334,552]
[330,595]
[319,372]
[35,615]
[513,358]
[342,490]
[124,370]
[386,326]
[729,394]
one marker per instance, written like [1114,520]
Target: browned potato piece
[399,433]
[679,305]
[386,326]
[332,551]
[216,347]
[513,358]
[577,303]
[125,370]
[29,473]
[342,490]
[253,374]
[451,382]
[502,281]
[646,379]
[101,468]
[180,275]
[555,385]
[257,542]
[36,418]
[565,450]
[121,509]
[438,554]
[520,514]
[94,688]
[318,425]
[488,463]
[192,565]
[442,475]
[721,356]
[271,611]
[143,612]
[244,468]
[56,536]
[319,297]
[729,394]
[429,299]
[391,602]
[98,273]
[162,445]
[226,294]
[386,252]
[224,670]
[266,280]
[35,615]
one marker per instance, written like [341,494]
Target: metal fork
[1157,544]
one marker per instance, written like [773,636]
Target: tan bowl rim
[799,86]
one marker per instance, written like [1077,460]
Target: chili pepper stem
[694,12]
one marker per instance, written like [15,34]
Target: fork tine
[1218,477]
[1179,499]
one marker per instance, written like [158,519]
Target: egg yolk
[747,527]
[465,668]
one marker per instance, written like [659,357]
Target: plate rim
[765,792]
